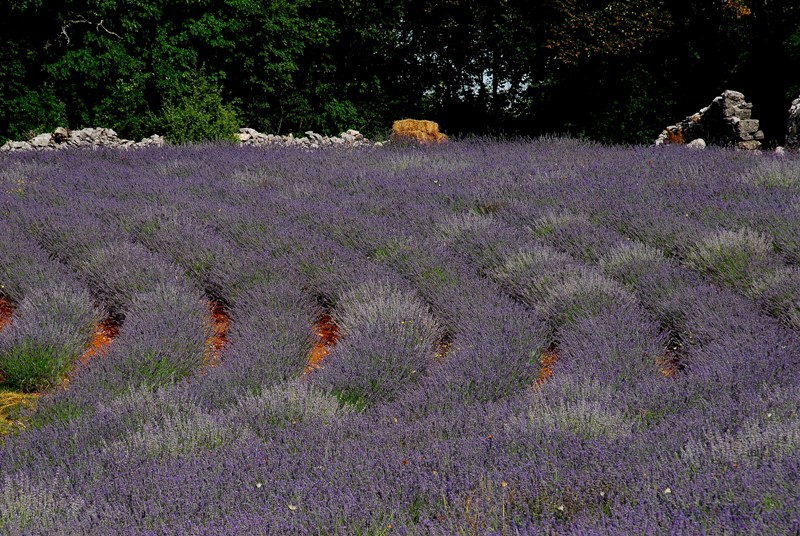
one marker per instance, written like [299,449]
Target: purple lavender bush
[50,330]
[388,340]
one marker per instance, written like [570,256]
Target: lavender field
[549,337]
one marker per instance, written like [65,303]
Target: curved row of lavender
[535,337]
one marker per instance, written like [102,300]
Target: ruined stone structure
[793,126]
[726,122]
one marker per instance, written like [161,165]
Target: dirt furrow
[547,361]
[102,336]
[220,322]
[5,313]
[327,335]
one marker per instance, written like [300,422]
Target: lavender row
[166,324]
[602,189]
[269,341]
[387,342]
[494,342]
[53,317]
[162,340]
[50,331]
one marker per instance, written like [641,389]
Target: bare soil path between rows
[327,336]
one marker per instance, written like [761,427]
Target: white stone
[699,143]
[42,140]
[733,95]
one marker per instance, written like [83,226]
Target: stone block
[733,95]
[699,143]
[60,135]
[747,126]
[751,145]
[42,140]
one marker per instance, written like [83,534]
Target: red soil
[668,364]
[547,361]
[327,335]
[5,313]
[220,321]
[105,332]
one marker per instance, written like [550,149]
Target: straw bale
[418,130]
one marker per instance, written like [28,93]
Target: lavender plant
[287,405]
[35,506]
[779,291]
[735,258]
[163,426]
[120,271]
[50,331]
[388,340]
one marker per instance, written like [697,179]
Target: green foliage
[479,67]
[33,111]
[196,112]
[32,366]
[354,398]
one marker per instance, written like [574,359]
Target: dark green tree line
[613,70]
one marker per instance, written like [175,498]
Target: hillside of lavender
[538,337]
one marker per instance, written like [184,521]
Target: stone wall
[726,122]
[311,140]
[89,138]
[61,138]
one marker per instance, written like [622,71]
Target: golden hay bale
[418,130]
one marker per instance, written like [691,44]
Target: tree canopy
[613,70]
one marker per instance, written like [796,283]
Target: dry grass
[11,402]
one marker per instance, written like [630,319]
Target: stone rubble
[726,122]
[311,140]
[61,138]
